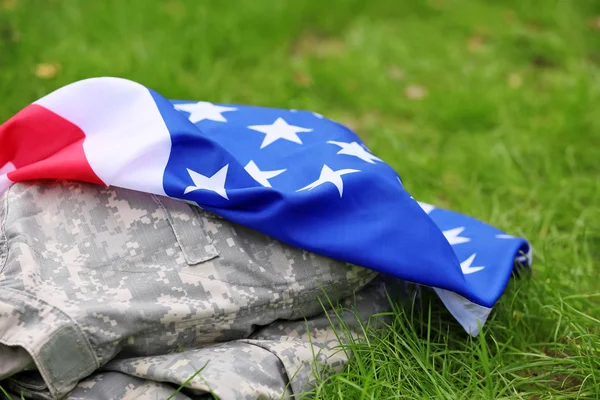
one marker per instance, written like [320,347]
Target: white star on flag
[453,236]
[466,265]
[329,175]
[261,177]
[204,110]
[215,183]
[356,150]
[426,207]
[279,130]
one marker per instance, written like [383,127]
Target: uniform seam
[289,379]
[307,298]
[268,286]
[190,259]
[283,284]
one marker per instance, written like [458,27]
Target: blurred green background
[486,107]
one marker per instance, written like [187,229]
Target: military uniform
[113,294]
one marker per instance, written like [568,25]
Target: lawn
[489,108]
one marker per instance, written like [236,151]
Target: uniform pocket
[259,266]
[189,230]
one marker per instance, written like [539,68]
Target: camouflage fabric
[109,292]
[283,358]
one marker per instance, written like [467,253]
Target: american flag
[294,175]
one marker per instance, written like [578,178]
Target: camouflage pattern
[109,293]
[282,359]
[115,385]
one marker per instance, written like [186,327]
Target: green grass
[501,122]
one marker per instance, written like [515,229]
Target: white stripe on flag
[6,168]
[127,142]
[4,181]
[469,315]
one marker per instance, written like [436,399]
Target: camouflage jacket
[109,293]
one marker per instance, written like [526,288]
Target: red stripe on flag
[43,145]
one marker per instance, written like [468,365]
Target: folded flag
[294,175]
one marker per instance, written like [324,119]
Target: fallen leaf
[395,73]
[515,81]
[510,15]
[595,23]
[9,4]
[415,92]
[174,8]
[302,79]
[439,4]
[312,45]
[47,70]
[476,43]
[534,27]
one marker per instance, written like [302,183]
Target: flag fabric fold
[294,175]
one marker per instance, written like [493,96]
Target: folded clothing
[90,274]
